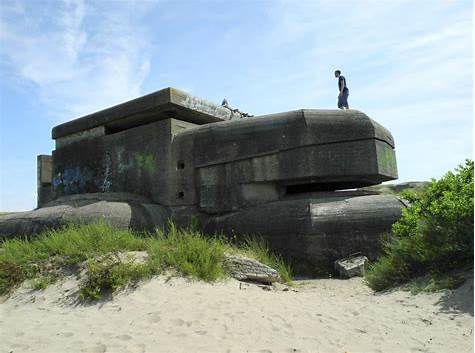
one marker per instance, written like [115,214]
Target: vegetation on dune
[98,249]
[257,248]
[434,235]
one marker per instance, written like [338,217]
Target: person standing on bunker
[343,91]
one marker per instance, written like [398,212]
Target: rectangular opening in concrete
[309,187]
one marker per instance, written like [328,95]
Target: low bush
[433,236]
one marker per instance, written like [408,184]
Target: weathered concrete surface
[120,210]
[137,160]
[80,136]
[44,176]
[351,266]
[251,161]
[313,232]
[273,175]
[163,104]
[246,269]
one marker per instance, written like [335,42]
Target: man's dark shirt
[342,84]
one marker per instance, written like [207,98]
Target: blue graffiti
[72,175]
[57,180]
[71,180]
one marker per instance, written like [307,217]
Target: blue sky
[408,65]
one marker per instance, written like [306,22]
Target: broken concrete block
[351,266]
[246,269]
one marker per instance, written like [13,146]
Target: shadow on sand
[459,300]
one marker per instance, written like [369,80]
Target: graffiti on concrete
[106,183]
[146,162]
[124,162]
[72,180]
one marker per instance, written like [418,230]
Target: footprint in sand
[180,322]
[140,348]
[20,346]
[98,348]
[124,337]
[154,317]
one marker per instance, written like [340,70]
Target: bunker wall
[137,160]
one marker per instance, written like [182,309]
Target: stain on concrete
[123,161]
[146,161]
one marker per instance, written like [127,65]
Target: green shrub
[10,275]
[42,282]
[434,235]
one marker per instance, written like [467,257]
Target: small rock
[280,286]
[351,266]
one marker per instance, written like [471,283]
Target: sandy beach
[179,315]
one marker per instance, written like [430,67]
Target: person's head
[337,73]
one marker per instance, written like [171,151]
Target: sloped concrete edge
[120,210]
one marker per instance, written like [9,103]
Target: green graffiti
[146,162]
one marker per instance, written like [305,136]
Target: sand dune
[184,316]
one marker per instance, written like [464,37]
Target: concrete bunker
[172,155]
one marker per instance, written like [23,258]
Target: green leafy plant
[434,235]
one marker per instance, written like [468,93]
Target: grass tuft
[96,249]
[109,274]
[189,252]
[258,249]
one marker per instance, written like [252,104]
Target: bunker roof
[163,104]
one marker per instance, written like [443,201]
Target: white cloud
[78,56]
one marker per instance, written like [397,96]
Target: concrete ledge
[166,103]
